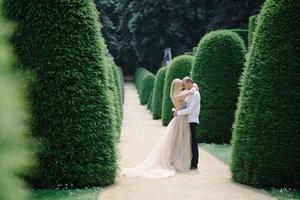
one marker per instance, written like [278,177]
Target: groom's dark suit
[192,110]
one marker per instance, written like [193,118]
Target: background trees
[266,137]
[142,29]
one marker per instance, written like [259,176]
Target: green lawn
[222,152]
[75,194]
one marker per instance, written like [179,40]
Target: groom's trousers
[194,145]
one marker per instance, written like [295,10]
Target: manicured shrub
[121,77]
[150,100]
[218,64]
[158,92]
[114,94]
[243,33]
[146,87]
[71,107]
[266,150]
[14,152]
[139,75]
[252,27]
[180,67]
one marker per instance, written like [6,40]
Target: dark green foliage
[158,92]
[139,75]
[226,14]
[14,154]
[144,81]
[243,33]
[121,76]
[180,67]
[157,24]
[252,27]
[266,137]
[146,87]
[114,94]
[137,31]
[71,105]
[218,64]
[150,100]
[109,20]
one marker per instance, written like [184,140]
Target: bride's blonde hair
[176,87]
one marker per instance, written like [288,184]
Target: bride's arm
[186,93]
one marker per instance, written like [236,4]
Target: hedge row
[252,27]
[180,67]
[150,101]
[218,64]
[144,81]
[266,150]
[14,153]
[158,92]
[71,99]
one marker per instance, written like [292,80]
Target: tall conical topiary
[158,93]
[180,68]
[218,64]
[266,137]
[72,111]
[14,152]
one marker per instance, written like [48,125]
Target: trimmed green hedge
[71,107]
[218,64]
[15,156]
[180,67]
[266,150]
[146,87]
[144,81]
[139,74]
[114,93]
[158,92]
[150,100]
[121,77]
[252,27]
[243,33]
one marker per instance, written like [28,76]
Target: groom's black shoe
[194,167]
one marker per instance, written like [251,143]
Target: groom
[192,110]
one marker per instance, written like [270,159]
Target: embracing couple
[177,150]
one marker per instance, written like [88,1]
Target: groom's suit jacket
[192,108]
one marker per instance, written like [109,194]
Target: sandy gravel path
[139,134]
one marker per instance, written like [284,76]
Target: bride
[173,151]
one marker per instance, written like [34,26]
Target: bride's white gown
[173,151]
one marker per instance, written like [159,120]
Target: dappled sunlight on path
[139,135]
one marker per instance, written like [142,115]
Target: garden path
[139,135]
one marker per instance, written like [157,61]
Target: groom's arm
[194,101]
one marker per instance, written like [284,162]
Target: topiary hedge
[71,106]
[14,153]
[158,92]
[266,150]
[114,94]
[150,100]
[180,67]
[146,87]
[243,33]
[218,64]
[121,77]
[252,27]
